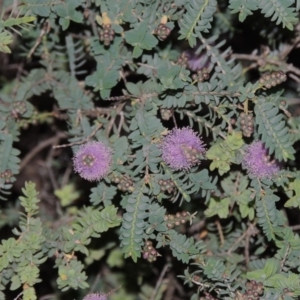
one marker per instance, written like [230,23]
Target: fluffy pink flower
[93,160]
[182,148]
[197,62]
[257,161]
[95,296]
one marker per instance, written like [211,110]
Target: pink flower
[95,296]
[197,62]
[257,161]
[93,160]
[182,148]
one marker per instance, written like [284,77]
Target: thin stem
[82,141]
[220,230]
[40,147]
[159,281]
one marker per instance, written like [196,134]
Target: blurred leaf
[218,207]
[67,194]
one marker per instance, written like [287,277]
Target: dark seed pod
[6,175]
[246,123]
[272,79]
[107,34]
[162,31]
[167,185]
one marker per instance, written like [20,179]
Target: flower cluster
[182,148]
[107,34]
[247,124]
[257,161]
[149,252]
[272,79]
[201,75]
[162,31]
[93,160]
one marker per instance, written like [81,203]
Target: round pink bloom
[93,160]
[95,296]
[257,161]
[182,148]
[197,62]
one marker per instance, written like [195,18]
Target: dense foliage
[149,149]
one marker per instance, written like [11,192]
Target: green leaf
[103,80]
[115,258]
[42,10]
[141,38]
[133,89]
[281,282]
[246,208]
[30,201]
[137,52]
[134,224]
[67,12]
[15,282]
[218,207]
[6,38]
[184,248]
[268,217]
[243,7]
[282,11]
[67,194]
[18,21]
[271,267]
[221,158]
[295,200]
[276,139]
[198,17]
[234,141]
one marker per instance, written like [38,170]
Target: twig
[19,295]
[40,147]
[284,258]
[19,73]
[82,141]
[66,175]
[46,297]
[250,231]
[246,250]
[159,281]
[295,227]
[220,232]
[287,113]
[174,119]
[261,61]
[44,30]
[197,226]
[95,283]
[91,18]
[294,77]
[169,295]
[293,101]
[147,66]
[289,48]
[122,119]
[112,120]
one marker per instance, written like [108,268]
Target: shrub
[149,149]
